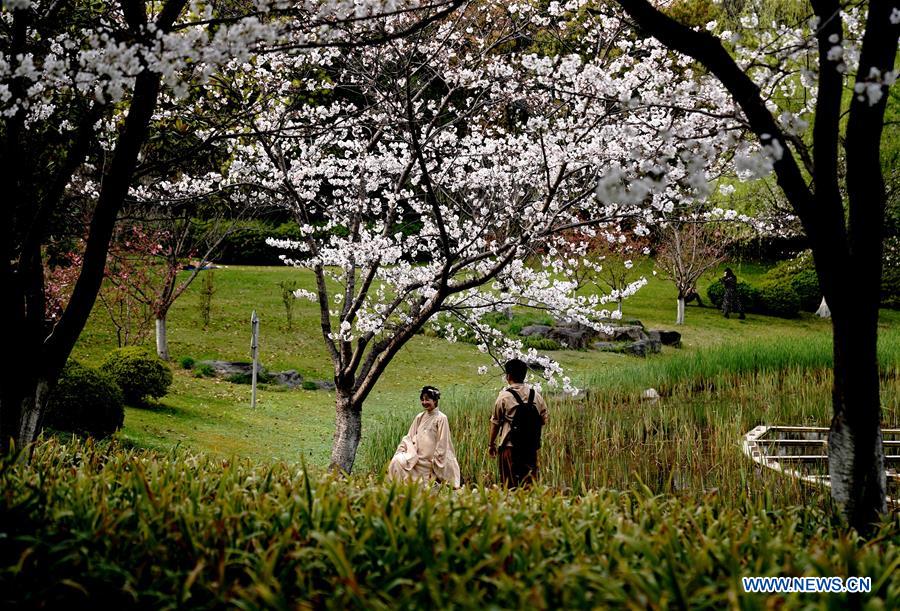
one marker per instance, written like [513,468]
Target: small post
[254,354]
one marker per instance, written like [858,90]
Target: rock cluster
[239,369]
[628,338]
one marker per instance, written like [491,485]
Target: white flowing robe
[426,452]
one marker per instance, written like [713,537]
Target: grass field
[214,416]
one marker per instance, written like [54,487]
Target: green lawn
[214,416]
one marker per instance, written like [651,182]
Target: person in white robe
[426,453]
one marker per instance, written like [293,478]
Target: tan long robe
[426,452]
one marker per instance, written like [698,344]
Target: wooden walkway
[801,452]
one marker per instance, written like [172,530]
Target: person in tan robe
[426,453]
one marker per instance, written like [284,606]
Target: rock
[654,335]
[650,394]
[643,347]
[324,385]
[289,378]
[575,337]
[230,368]
[539,330]
[632,332]
[670,338]
[624,333]
[240,372]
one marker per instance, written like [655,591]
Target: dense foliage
[748,294]
[86,401]
[246,243]
[89,525]
[138,372]
[778,299]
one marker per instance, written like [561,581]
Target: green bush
[138,372]
[520,321]
[890,288]
[805,284]
[247,378]
[800,274]
[187,362]
[86,401]
[541,343]
[204,370]
[747,293]
[779,299]
[309,385]
[246,244]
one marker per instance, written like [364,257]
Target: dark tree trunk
[25,385]
[347,432]
[855,450]
[25,390]
[847,253]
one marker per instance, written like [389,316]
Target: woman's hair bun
[430,392]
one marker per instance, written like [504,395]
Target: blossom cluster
[448,175]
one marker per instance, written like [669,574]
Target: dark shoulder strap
[515,396]
[531,397]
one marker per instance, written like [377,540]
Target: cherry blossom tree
[80,84]
[609,264]
[184,243]
[444,175]
[843,48]
[128,278]
[687,251]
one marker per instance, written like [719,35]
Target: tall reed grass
[688,442]
[85,525]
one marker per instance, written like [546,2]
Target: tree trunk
[823,311]
[347,432]
[28,407]
[34,407]
[679,320]
[619,306]
[855,449]
[162,341]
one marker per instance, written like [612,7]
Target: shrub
[541,343]
[495,319]
[204,370]
[138,372]
[890,288]
[246,244]
[748,295]
[247,378]
[805,284]
[187,362]
[86,401]
[800,274]
[520,321]
[309,385]
[779,299]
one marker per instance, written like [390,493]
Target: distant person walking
[426,453]
[731,301]
[516,422]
